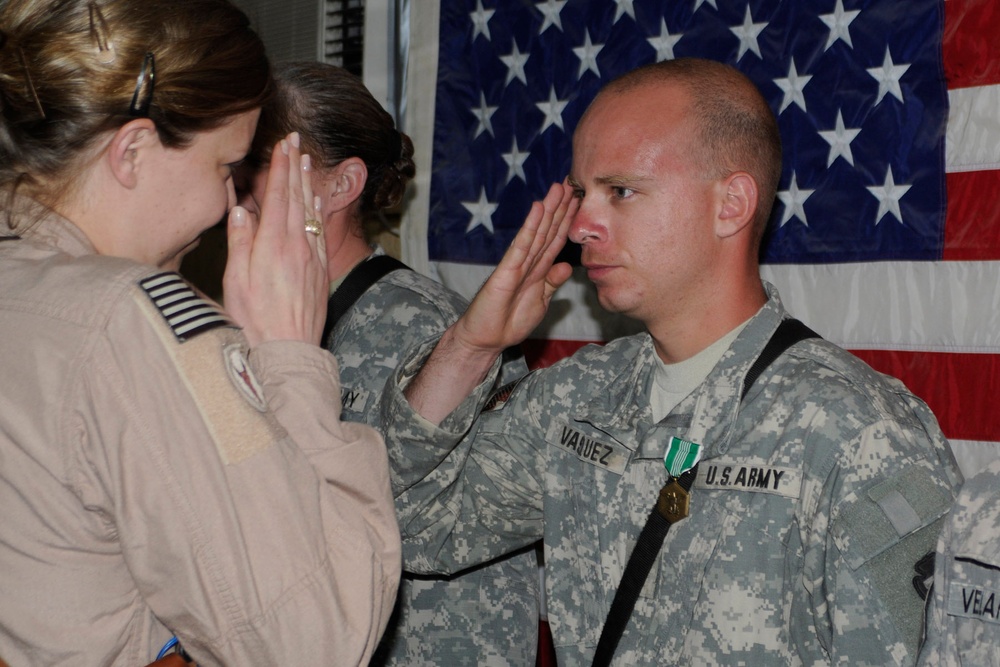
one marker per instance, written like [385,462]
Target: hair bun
[396,145]
[397,173]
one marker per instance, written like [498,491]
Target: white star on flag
[888,76]
[839,22]
[515,61]
[699,3]
[664,44]
[840,139]
[550,10]
[484,113]
[888,196]
[792,87]
[624,7]
[748,35]
[552,109]
[515,162]
[482,212]
[793,199]
[588,56]
[480,20]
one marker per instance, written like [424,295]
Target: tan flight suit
[155,479]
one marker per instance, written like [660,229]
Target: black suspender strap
[788,333]
[672,506]
[673,499]
[357,282]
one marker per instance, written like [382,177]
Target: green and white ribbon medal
[681,456]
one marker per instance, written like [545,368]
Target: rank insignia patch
[186,313]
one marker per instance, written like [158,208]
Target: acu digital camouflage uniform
[488,616]
[963,622]
[814,499]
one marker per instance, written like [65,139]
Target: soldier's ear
[126,153]
[343,185]
[738,199]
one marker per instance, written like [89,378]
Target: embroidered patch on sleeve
[242,376]
[924,577]
[186,313]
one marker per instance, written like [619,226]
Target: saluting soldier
[812,497]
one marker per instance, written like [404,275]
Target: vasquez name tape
[611,457]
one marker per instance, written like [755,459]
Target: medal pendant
[674,502]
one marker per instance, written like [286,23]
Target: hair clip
[147,76]
[31,84]
[101,35]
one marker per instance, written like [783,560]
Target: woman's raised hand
[276,280]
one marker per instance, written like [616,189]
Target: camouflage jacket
[488,616]
[815,497]
[963,623]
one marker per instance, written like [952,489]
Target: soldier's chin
[606,298]
[616,303]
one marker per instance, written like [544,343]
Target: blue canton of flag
[857,87]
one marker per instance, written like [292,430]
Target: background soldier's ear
[344,184]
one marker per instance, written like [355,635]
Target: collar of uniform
[621,409]
[29,219]
[715,405]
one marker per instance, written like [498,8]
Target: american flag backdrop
[886,234]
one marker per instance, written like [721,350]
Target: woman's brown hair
[338,118]
[71,70]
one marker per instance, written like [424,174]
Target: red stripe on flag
[961,389]
[971,50]
[972,225]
